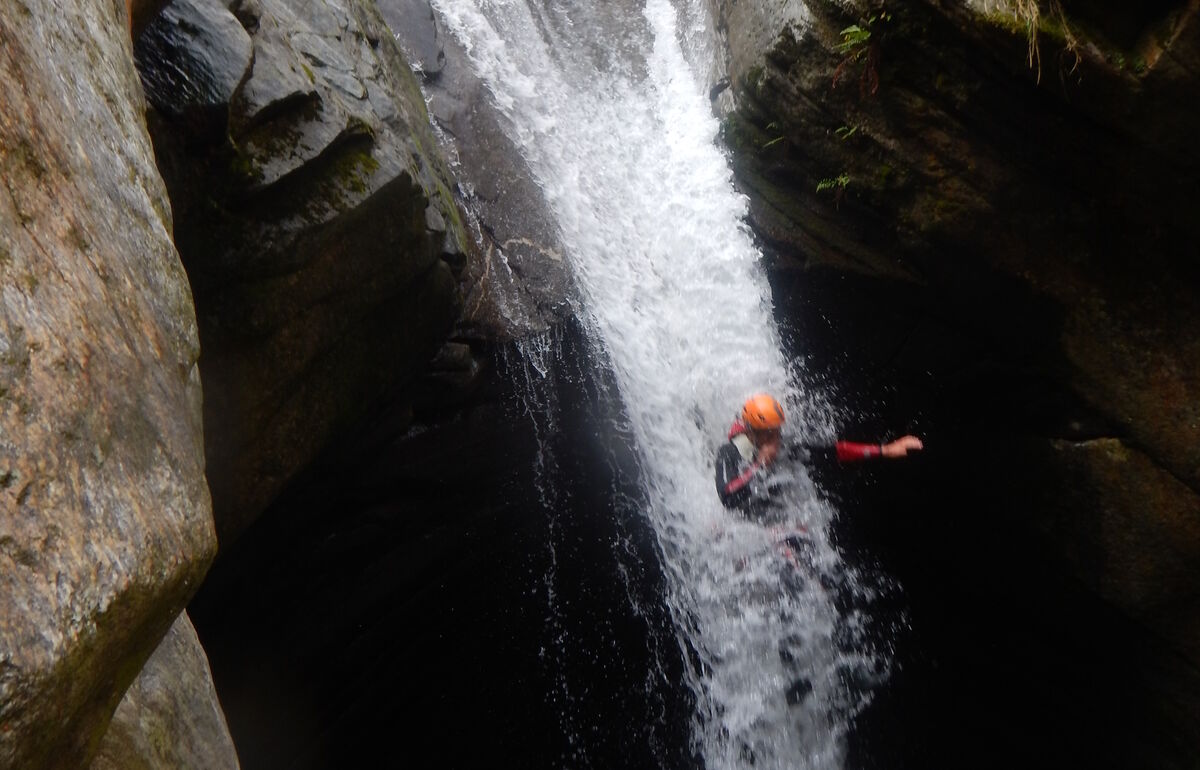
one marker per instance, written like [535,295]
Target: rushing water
[617,129]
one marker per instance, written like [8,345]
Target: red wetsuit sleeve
[849,452]
[742,480]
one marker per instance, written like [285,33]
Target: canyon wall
[107,528]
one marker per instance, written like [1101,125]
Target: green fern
[838,182]
[854,41]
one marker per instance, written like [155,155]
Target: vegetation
[860,48]
[1030,16]
[837,183]
[772,126]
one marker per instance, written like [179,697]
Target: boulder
[169,716]
[315,218]
[107,528]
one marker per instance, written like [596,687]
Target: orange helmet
[762,412]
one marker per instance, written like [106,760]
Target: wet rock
[312,219]
[106,528]
[519,285]
[1132,532]
[418,32]
[278,118]
[453,377]
[141,13]
[210,49]
[1042,213]
[169,716]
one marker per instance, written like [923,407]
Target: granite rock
[107,528]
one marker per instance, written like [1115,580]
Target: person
[755,440]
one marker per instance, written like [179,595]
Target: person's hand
[902,446]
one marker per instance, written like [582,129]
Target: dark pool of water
[418,604]
[1001,659]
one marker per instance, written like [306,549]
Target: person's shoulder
[728,450]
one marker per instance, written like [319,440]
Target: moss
[23,556]
[353,170]
[753,78]
[77,239]
[25,154]
[31,282]
[244,167]
[450,209]
[1007,21]
[334,181]
[271,140]
[742,135]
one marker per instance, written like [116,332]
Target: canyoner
[616,127]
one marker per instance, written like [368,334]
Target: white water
[618,131]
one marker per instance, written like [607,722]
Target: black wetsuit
[740,475]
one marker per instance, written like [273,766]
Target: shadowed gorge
[392,592]
[396,340]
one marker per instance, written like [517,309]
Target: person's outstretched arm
[902,446]
[850,452]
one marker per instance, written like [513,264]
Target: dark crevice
[400,587]
[1127,24]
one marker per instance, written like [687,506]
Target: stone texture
[222,49]
[106,529]
[1132,531]
[419,34]
[169,716]
[317,224]
[1045,213]
[519,284]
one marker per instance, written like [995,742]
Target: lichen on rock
[107,528]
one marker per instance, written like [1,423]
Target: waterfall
[617,129]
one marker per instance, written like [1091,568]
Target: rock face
[314,218]
[106,528]
[169,716]
[1024,231]
[519,285]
